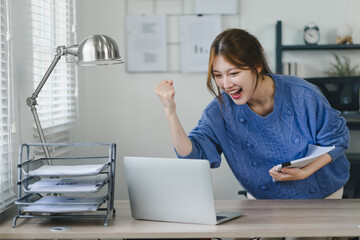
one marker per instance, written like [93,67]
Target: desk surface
[262,218]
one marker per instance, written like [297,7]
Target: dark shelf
[352,187]
[353,125]
[320,47]
[352,119]
[280,47]
[341,92]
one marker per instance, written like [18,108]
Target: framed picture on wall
[146,43]
[196,35]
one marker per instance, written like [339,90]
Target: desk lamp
[92,51]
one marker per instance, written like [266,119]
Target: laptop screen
[170,189]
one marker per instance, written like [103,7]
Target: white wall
[116,106]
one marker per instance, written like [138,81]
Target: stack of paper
[69,185]
[61,204]
[60,170]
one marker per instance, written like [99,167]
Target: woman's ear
[259,69]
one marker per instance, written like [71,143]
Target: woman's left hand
[292,174]
[288,174]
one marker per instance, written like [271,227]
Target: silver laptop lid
[170,189]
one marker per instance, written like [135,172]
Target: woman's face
[239,84]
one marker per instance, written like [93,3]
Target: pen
[286,164]
[280,166]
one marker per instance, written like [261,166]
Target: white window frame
[52,25]
[7,193]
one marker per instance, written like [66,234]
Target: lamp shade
[98,50]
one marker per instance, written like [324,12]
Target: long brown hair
[241,49]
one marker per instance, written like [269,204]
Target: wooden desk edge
[262,218]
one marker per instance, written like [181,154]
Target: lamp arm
[60,51]
[40,130]
[31,101]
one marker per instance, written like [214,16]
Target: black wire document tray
[66,170]
[83,184]
[61,204]
[64,187]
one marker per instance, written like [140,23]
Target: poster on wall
[196,36]
[216,6]
[146,43]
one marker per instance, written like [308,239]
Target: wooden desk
[262,218]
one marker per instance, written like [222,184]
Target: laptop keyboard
[220,217]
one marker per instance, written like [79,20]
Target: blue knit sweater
[253,144]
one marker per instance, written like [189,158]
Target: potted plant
[342,67]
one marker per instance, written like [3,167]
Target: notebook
[172,190]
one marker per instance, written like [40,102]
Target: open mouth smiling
[235,93]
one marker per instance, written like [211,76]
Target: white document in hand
[313,153]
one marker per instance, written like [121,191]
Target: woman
[258,120]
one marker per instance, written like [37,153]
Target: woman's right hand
[166,92]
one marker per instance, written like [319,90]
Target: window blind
[53,25]
[7,194]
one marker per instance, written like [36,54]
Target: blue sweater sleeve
[205,144]
[327,125]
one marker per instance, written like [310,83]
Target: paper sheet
[60,170]
[69,185]
[216,6]
[146,43]
[197,34]
[312,154]
[53,204]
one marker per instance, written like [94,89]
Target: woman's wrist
[170,113]
[317,164]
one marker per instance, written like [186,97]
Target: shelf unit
[280,47]
[350,107]
[66,187]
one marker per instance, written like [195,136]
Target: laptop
[172,190]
